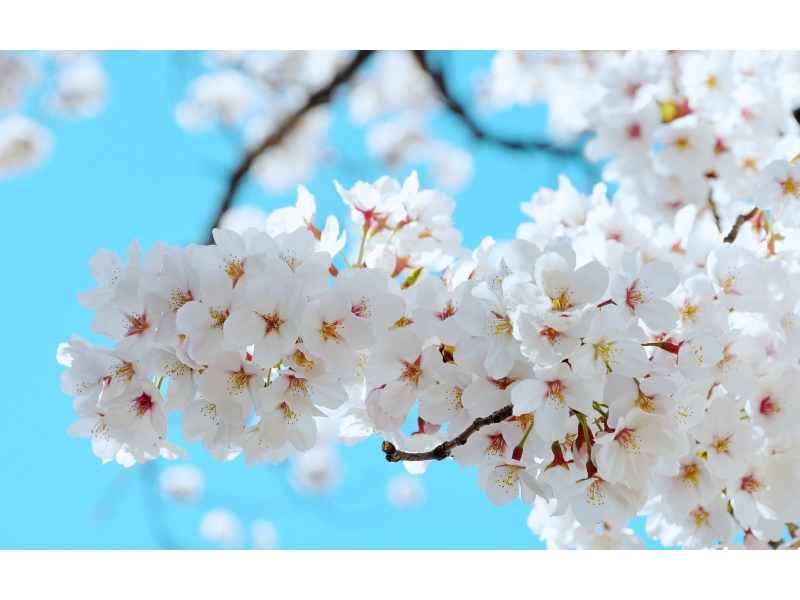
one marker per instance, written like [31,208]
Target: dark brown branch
[458,109]
[740,220]
[320,97]
[444,449]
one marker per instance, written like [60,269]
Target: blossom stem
[517,453]
[444,449]
[391,235]
[606,303]
[585,428]
[363,245]
[599,408]
[712,205]
[740,220]
[770,235]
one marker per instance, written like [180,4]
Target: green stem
[517,453]
[363,244]
[391,235]
[585,427]
[527,433]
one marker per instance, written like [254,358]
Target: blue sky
[133,173]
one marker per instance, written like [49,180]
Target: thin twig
[740,220]
[712,205]
[458,109]
[443,450]
[320,97]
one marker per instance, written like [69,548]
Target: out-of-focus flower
[185,483]
[221,526]
[405,491]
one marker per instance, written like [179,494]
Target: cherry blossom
[632,352]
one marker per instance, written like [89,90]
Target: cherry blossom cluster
[75,87]
[253,92]
[656,379]
[675,128]
[638,355]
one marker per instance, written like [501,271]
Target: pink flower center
[271,323]
[330,331]
[179,298]
[123,372]
[631,88]
[555,390]
[412,371]
[750,484]
[136,324]
[626,438]
[501,383]
[448,311]
[361,309]
[298,386]
[497,444]
[288,414]
[142,404]
[721,444]
[634,296]
[551,334]
[769,406]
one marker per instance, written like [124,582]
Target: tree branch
[443,450]
[713,206]
[740,220]
[320,97]
[458,109]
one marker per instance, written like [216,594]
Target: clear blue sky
[133,173]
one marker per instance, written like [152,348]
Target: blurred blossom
[399,141]
[240,218]
[264,535]
[451,166]
[16,72]
[23,144]
[221,526]
[318,471]
[396,83]
[296,157]
[80,89]
[225,97]
[405,491]
[566,80]
[185,483]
